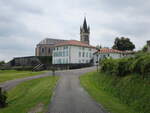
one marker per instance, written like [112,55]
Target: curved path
[70,97]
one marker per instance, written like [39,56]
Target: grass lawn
[31,95]
[6,75]
[90,82]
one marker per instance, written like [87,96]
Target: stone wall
[43,50]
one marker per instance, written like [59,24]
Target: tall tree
[123,44]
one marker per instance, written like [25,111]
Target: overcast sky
[24,23]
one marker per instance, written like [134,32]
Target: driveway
[70,97]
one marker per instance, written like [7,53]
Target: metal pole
[97,63]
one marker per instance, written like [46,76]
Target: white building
[72,52]
[107,53]
[111,53]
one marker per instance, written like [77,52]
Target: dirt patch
[38,108]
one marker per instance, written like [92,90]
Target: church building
[46,46]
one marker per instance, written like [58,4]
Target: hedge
[140,64]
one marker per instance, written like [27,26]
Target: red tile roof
[107,50]
[74,43]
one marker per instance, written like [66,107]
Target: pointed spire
[85,24]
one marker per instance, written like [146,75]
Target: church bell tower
[85,33]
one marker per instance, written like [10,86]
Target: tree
[2,62]
[123,44]
[145,48]
[98,47]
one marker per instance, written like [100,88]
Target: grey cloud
[23,23]
[21,6]
[129,27]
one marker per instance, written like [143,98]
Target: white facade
[100,56]
[111,53]
[71,54]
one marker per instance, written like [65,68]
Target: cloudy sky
[23,23]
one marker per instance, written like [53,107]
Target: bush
[123,66]
[2,98]
[119,67]
[108,66]
[140,64]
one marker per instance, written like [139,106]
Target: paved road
[70,97]
[12,83]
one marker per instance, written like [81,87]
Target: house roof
[107,50]
[74,43]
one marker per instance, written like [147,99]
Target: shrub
[140,64]
[119,67]
[2,98]
[108,66]
[123,66]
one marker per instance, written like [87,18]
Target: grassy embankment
[6,75]
[33,95]
[129,94]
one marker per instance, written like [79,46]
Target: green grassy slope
[29,94]
[129,94]
[13,74]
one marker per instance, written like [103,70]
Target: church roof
[85,27]
[74,43]
[51,41]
